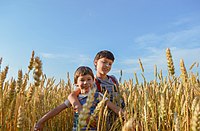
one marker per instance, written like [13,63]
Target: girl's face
[103,65]
[85,83]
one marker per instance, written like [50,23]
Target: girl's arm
[73,99]
[39,125]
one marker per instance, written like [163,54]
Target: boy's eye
[104,62]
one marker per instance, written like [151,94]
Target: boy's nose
[107,65]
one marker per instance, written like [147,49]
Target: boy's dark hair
[82,70]
[104,54]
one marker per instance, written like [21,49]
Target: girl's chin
[86,92]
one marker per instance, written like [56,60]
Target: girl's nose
[85,82]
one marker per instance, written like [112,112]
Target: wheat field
[166,103]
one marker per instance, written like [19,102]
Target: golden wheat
[172,103]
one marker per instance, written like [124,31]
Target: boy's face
[84,83]
[103,65]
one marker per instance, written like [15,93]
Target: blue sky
[68,33]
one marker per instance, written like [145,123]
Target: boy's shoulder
[113,78]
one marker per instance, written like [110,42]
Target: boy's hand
[74,100]
[78,109]
[38,127]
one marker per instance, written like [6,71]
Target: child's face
[84,83]
[103,65]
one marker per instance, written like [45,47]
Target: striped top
[82,99]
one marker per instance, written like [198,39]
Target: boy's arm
[47,116]
[113,107]
[73,99]
[117,91]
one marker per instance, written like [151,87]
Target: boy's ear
[95,62]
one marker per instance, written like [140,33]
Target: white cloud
[125,70]
[188,55]
[77,58]
[187,38]
[152,54]
[184,44]
[83,59]
[53,56]
[158,57]
[182,21]
[149,39]
[129,61]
